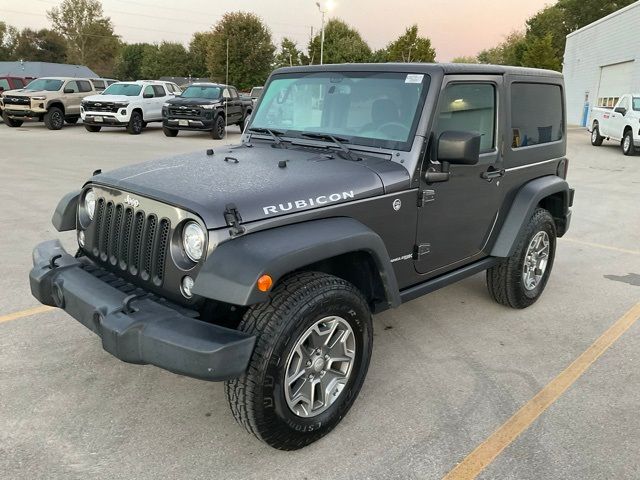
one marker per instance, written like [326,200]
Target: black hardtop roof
[206,84]
[445,68]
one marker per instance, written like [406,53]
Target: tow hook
[52,261]
[126,303]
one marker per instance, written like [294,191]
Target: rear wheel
[596,139]
[136,124]
[519,280]
[627,143]
[10,122]
[170,132]
[219,126]
[313,345]
[54,118]
[92,128]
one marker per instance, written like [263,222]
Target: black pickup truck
[356,188]
[206,106]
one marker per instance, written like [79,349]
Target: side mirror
[69,90]
[621,110]
[147,95]
[458,148]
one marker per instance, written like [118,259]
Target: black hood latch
[234,219]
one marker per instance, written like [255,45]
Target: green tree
[342,44]
[409,47]
[251,50]
[509,52]
[90,36]
[289,54]
[578,13]
[169,59]
[40,46]
[198,48]
[8,36]
[128,65]
[549,20]
[540,53]
[465,59]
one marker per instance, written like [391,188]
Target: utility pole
[328,7]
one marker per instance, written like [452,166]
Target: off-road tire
[627,139]
[170,132]
[219,127]
[54,118]
[505,280]
[596,138]
[92,128]
[71,120]
[136,124]
[257,398]
[11,122]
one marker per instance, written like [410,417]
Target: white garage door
[615,81]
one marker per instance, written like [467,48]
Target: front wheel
[136,124]
[519,280]
[219,127]
[596,138]
[54,118]
[313,345]
[10,122]
[627,143]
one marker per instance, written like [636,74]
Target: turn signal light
[265,282]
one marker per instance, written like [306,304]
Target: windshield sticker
[414,78]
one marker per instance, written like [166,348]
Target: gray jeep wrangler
[355,188]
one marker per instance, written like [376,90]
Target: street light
[328,7]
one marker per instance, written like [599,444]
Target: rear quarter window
[537,114]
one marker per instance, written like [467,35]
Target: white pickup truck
[620,123]
[127,104]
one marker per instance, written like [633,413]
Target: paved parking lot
[448,369]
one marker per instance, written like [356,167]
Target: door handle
[492,173]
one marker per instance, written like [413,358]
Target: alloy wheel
[536,260]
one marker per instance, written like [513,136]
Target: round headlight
[90,203]
[193,240]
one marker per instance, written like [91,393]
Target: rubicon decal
[308,202]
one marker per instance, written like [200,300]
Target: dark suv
[356,188]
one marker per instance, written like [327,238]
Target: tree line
[81,33]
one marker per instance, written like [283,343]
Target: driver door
[457,215]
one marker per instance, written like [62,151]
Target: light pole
[328,7]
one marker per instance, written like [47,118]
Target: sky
[455,27]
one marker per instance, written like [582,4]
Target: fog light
[81,238]
[187,285]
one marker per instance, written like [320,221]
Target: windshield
[47,84]
[256,92]
[636,104]
[127,89]
[197,91]
[378,109]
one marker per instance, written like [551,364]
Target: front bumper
[26,113]
[197,123]
[138,330]
[108,119]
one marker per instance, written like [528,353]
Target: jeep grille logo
[132,202]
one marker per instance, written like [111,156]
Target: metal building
[602,62]
[45,69]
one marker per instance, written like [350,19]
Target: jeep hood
[251,179]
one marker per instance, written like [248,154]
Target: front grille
[133,242]
[108,107]
[15,100]
[184,112]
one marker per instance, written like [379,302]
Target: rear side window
[234,93]
[158,91]
[84,86]
[536,114]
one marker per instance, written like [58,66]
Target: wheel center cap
[318,364]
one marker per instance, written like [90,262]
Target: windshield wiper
[275,134]
[338,141]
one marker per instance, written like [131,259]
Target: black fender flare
[230,273]
[64,216]
[524,203]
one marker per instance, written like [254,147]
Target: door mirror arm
[433,176]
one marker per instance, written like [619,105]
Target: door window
[469,107]
[4,84]
[225,93]
[148,90]
[624,103]
[72,86]
[536,114]
[158,91]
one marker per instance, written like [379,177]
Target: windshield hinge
[426,196]
[421,250]
[233,219]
